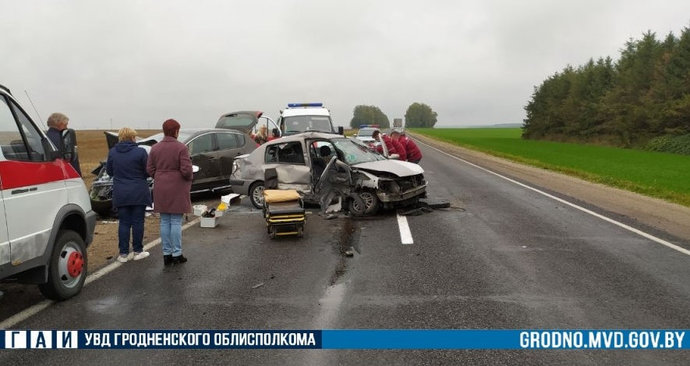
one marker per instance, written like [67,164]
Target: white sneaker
[130,256]
[140,255]
[122,258]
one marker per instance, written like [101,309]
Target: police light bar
[296,105]
[365,126]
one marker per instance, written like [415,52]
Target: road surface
[501,257]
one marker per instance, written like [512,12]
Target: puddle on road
[103,305]
[109,305]
[330,305]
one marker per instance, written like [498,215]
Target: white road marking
[25,314]
[405,233]
[28,312]
[607,219]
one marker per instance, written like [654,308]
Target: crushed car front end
[396,183]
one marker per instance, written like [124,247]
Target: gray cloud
[138,63]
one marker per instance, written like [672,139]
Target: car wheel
[370,201]
[67,267]
[256,194]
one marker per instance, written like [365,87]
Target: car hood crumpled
[397,167]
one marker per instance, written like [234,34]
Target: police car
[365,132]
[46,221]
[306,117]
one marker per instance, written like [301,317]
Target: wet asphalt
[501,257]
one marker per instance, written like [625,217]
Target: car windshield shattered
[355,152]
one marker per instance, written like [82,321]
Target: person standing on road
[171,168]
[414,155]
[57,122]
[127,165]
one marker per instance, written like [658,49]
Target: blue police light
[296,105]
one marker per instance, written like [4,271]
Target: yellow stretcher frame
[284,213]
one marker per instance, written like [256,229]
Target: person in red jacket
[171,168]
[392,146]
[414,155]
[400,148]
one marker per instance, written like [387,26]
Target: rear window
[235,121]
[228,141]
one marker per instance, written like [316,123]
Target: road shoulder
[665,216]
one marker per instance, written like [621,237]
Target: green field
[661,175]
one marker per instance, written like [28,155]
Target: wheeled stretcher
[284,212]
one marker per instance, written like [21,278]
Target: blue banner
[506,339]
[670,339]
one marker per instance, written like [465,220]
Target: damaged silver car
[301,160]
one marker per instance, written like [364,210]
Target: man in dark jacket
[414,155]
[127,165]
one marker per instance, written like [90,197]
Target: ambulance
[306,117]
[46,221]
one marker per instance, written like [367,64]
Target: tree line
[642,96]
[417,115]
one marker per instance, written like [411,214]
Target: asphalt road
[502,257]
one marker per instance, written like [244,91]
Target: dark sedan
[212,150]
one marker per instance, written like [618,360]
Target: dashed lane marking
[405,233]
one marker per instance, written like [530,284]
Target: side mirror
[276,132]
[341,130]
[69,144]
[394,156]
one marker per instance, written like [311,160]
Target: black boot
[179,259]
[167,259]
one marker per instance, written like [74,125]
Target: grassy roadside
[661,175]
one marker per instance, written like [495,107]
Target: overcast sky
[136,63]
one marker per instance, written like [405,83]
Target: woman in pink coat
[171,168]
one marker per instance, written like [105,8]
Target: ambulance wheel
[67,267]
[256,194]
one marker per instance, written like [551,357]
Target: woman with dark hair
[171,168]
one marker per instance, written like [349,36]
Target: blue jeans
[171,234]
[131,218]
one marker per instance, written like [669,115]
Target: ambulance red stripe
[17,174]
